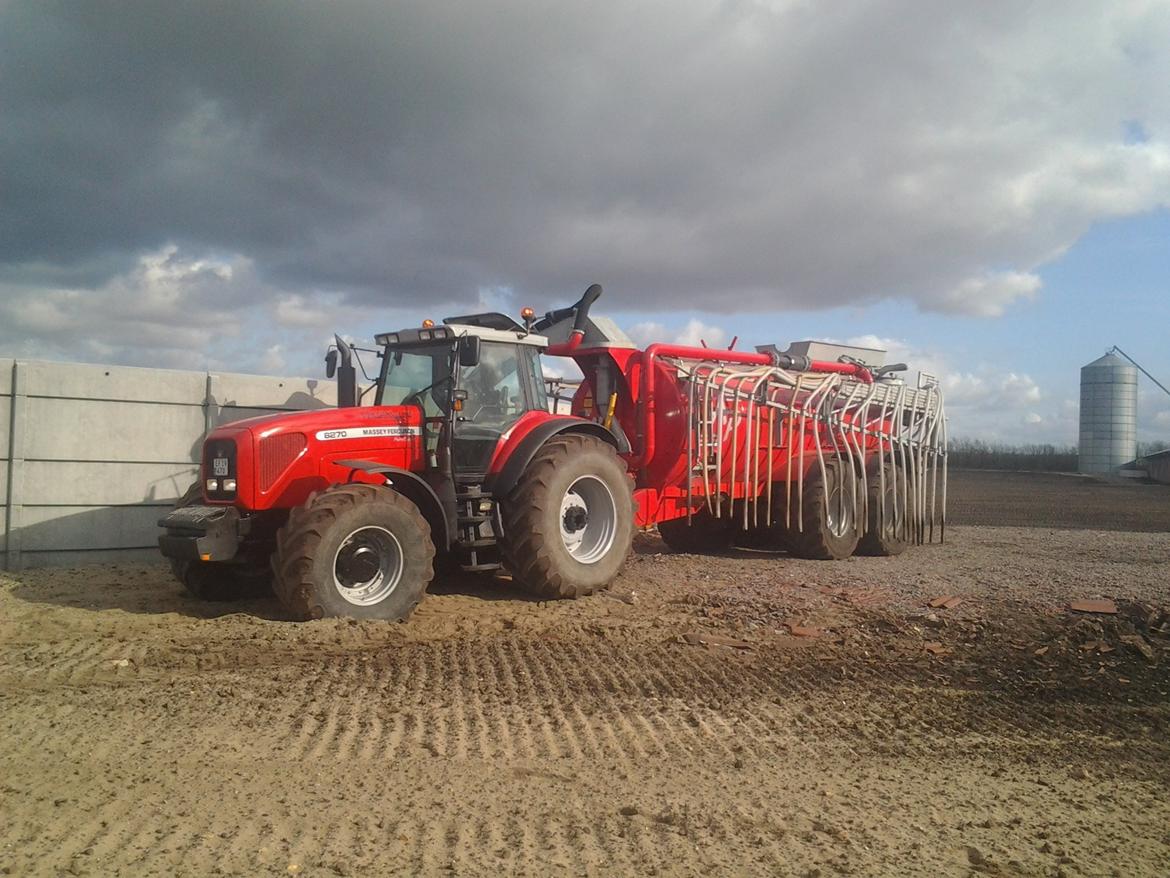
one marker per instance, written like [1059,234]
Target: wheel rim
[588,520]
[367,566]
[839,512]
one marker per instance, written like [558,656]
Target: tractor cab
[473,377]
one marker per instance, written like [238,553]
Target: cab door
[496,391]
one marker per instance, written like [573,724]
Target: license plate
[219,466]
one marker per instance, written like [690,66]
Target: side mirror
[469,350]
[331,362]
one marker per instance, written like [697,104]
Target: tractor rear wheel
[569,522]
[356,550]
[884,533]
[705,533]
[218,580]
[828,514]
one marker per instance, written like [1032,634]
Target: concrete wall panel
[86,483]
[78,557]
[263,392]
[5,407]
[92,429]
[52,528]
[126,383]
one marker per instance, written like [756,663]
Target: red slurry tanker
[459,462]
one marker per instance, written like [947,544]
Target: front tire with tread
[308,545]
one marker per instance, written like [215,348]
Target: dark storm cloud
[718,155]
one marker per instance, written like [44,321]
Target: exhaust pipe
[346,373]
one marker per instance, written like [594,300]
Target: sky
[981,188]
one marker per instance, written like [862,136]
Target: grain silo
[1108,414]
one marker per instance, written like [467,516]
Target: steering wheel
[419,393]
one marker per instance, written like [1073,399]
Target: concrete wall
[91,455]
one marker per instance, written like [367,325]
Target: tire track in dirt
[571,699]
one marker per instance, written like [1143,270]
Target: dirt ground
[743,714]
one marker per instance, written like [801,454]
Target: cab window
[420,374]
[495,397]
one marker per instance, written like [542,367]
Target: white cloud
[273,361]
[167,310]
[300,311]
[989,295]
[695,334]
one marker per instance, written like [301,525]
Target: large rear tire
[829,514]
[705,533]
[883,534]
[218,580]
[569,522]
[355,550]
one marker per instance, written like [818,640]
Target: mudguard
[440,516]
[501,483]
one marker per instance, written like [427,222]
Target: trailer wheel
[705,533]
[218,580]
[569,522]
[356,550]
[883,534]
[828,521]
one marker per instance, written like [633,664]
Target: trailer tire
[705,533]
[882,534]
[569,522]
[356,550]
[218,581]
[829,514]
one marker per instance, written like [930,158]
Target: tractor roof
[513,336]
[451,330]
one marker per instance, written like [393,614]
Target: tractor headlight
[229,485]
[386,338]
[212,485]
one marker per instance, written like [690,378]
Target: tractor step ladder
[470,541]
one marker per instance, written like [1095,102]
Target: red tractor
[460,461]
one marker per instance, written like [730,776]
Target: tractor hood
[279,459]
[325,418]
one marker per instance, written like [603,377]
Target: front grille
[277,454]
[221,453]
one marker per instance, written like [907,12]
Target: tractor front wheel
[828,527]
[356,550]
[569,522]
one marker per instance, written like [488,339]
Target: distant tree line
[978,454]
[1154,447]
